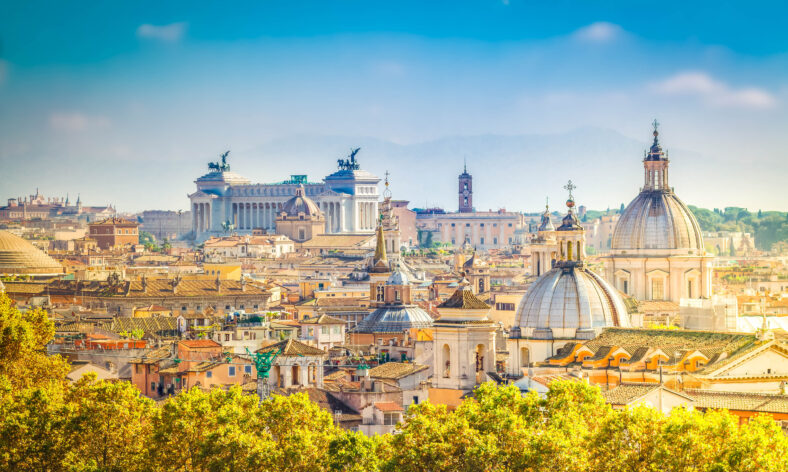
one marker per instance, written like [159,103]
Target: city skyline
[139,100]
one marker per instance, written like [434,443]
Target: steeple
[465,191]
[655,164]
[380,262]
[570,235]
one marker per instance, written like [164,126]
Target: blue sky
[126,101]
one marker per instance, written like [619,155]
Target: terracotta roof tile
[395,370]
[465,299]
[292,347]
[388,406]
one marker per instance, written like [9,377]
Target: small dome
[398,278]
[394,319]
[657,220]
[300,203]
[20,257]
[569,302]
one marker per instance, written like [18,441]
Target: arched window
[446,361]
[524,357]
[379,295]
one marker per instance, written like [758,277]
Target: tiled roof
[160,326]
[767,403]
[323,320]
[395,370]
[388,406]
[624,394]
[655,305]
[157,288]
[292,347]
[672,342]
[113,220]
[465,299]
[339,240]
[199,343]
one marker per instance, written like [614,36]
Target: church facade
[228,202]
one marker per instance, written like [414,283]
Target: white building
[225,200]
[323,331]
[464,341]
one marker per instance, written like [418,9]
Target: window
[390,418]
[482,225]
[153,386]
[231,371]
[657,289]
[415,399]
[248,370]
[626,287]
[209,374]
[467,225]
[452,225]
[227,307]
[396,295]
[495,241]
[481,241]
[324,330]
[301,233]
[510,225]
[183,308]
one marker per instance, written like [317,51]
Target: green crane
[263,362]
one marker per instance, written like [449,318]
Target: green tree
[113,424]
[23,340]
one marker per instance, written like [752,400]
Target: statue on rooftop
[220,167]
[350,163]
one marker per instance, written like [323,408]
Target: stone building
[170,225]
[347,198]
[657,251]
[481,229]
[464,341]
[114,232]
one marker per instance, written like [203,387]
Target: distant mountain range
[515,171]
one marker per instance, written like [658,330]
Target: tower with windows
[466,191]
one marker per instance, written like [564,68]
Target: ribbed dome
[657,219]
[300,203]
[19,257]
[569,302]
[394,319]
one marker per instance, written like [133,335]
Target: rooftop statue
[223,167]
[350,163]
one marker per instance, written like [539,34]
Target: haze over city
[126,104]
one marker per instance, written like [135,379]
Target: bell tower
[466,191]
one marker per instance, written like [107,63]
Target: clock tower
[466,191]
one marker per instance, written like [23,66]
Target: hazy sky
[125,102]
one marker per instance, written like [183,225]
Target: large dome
[569,302]
[19,257]
[657,219]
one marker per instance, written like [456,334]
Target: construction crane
[263,362]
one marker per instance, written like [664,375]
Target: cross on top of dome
[571,201]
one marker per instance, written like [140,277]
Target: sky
[126,102]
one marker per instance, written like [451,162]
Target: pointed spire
[380,249]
